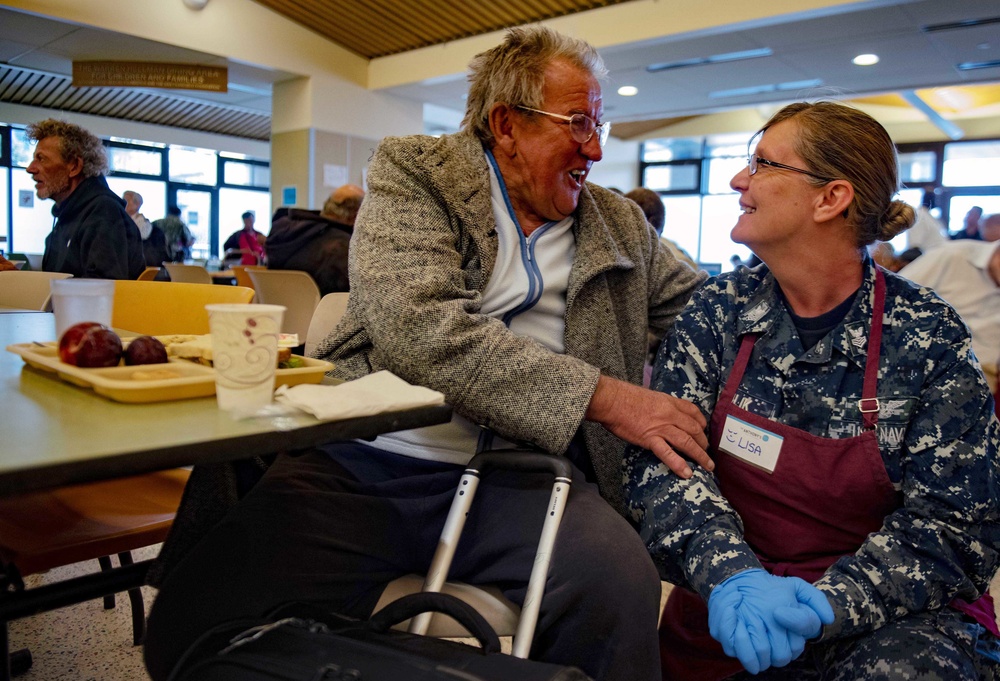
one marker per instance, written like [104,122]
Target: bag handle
[411,605]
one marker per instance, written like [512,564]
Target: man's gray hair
[513,72]
[74,143]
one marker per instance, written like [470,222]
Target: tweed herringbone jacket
[423,249]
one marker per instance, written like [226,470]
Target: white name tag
[749,443]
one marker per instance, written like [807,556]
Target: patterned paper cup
[244,353]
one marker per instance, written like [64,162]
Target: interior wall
[291,167]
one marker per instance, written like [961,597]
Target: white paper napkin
[372,394]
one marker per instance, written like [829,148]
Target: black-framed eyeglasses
[754,162]
[581,126]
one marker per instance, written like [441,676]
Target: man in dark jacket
[93,236]
[316,241]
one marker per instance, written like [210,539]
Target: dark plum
[145,350]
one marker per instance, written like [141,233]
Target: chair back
[163,307]
[28,290]
[325,318]
[296,290]
[189,274]
[22,258]
[148,274]
[242,278]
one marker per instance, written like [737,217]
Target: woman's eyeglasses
[581,127]
[754,162]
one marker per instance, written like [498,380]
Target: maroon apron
[824,497]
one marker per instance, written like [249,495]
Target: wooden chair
[27,289]
[43,530]
[163,307]
[296,290]
[190,274]
[40,531]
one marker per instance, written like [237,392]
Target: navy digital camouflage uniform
[938,440]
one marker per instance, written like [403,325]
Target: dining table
[55,433]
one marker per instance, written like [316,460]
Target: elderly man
[484,266]
[316,242]
[92,236]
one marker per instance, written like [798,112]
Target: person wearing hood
[316,242]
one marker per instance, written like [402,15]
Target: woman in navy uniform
[854,502]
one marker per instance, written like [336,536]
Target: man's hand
[663,424]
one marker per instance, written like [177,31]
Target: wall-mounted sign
[150,74]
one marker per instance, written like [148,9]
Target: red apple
[89,344]
[145,350]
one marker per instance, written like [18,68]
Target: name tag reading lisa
[754,445]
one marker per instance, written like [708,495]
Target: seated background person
[853,436]
[655,212]
[177,235]
[247,242]
[546,350]
[316,242]
[966,273]
[154,242]
[92,236]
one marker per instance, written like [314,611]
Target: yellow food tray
[121,384]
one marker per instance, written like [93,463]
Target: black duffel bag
[300,642]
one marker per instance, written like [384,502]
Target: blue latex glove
[763,620]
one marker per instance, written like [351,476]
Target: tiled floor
[87,643]
[83,642]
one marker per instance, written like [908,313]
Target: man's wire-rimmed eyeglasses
[754,162]
[581,127]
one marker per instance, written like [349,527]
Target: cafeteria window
[193,166]
[246,174]
[721,171]
[136,161]
[971,164]
[684,176]
[21,147]
[671,149]
[917,167]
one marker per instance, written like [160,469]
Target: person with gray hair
[154,242]
[483,265]
[317,242]
[93,236]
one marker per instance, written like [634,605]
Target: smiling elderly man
[482,265]
[92,236]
